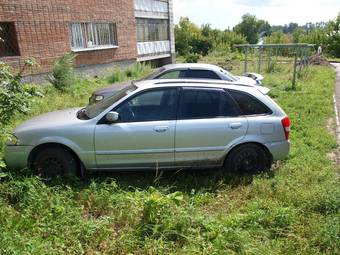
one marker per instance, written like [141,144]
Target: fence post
[301,61]
[294,74]
[260,60]
[269,60]
[246,59]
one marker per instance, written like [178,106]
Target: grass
[292,210]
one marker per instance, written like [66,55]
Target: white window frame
[157,6]
[87,36]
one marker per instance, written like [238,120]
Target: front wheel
[247,158]
[53,162]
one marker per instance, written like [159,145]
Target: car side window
[151,105]
[201,74]
[248,104]
[170,75]
[206,103]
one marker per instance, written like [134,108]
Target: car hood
[254,76]
[246,80]
[50,120]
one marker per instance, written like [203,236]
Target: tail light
[286,126]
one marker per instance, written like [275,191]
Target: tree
[190,39]
[288,29]
[278,37]
[184,32]
[297,34]
[251,27]
[333,37]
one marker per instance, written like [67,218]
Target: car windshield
[93,110]
[229,75]
[155,73]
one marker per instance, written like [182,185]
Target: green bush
[117,76]
[62,76]
[192,57]
[14,96]
[135,71]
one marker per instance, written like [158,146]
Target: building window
[161,6]
[8,40]
[86,36]
[150,30]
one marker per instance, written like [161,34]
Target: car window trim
[103,119]
[250,115]
[179,115]
[169,71]
[200,69]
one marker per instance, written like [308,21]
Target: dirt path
[337,105]
[337,97]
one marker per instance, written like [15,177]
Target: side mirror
[112,117]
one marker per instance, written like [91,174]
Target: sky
[227,13]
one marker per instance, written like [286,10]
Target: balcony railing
[151,6]
[153,48]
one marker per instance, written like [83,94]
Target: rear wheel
[55,161]
[248,158]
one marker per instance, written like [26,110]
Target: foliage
[14,96]
[192,40]
[191,58]
[206,40]
[135,71]
[293,210]
[62,76]
[251,27]
[333,37]
[189,38]
[278,37]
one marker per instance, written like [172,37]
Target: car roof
[198,83]
[191,65]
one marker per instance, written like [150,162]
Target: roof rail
[203,82]
[262,89]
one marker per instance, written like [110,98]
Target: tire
[248,158]
[55,161]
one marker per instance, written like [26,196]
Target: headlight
[99,98]
[12,140]
[95,99]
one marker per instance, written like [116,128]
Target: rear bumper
[16,157]
[279,150]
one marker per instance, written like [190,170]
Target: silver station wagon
[185,71]
[157,124]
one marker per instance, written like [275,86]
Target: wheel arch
[261,145]
[35,151]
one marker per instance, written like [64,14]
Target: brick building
[102,33]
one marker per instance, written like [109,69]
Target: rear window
[206,103]
[248,104]
[201,74]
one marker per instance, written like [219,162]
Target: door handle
[236,125]
[161,129]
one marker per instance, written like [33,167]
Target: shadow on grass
[204,180]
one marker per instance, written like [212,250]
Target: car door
[144,135]
[208,124]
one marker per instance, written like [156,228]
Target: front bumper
[279,150]
[16,157]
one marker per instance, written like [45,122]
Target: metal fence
[268,55]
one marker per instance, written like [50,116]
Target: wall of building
[160,46]
[42,28]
